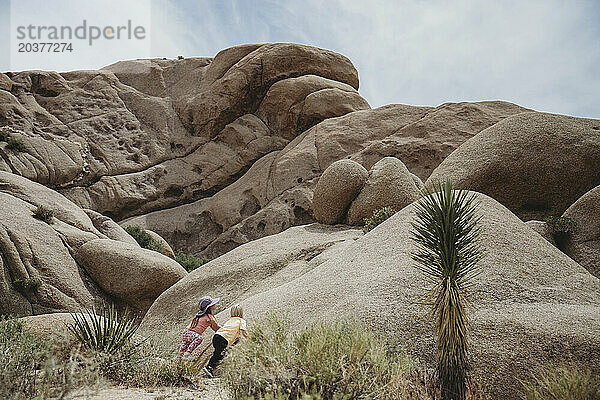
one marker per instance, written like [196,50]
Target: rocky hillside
[267,159]
[232,145]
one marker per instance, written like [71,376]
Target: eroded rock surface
[277,191]
[39,270]
[141,136]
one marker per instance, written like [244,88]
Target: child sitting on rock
[192,335]
[226,335]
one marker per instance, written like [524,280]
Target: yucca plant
[106,331]
[446,231]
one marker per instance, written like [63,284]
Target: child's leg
[194,343]
[220,344]
[186,340]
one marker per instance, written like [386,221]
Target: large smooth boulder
[302,97]
[37,271]
[390,184]
[583,244]
[536,164]
[249,269]
[531,304]
[337,187]
[133,275]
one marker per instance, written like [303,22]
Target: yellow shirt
[231,329]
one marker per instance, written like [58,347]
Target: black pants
[220,344]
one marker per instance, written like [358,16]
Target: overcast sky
[542,54]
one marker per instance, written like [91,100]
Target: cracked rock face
[182,143]
[277,191]
[40,271]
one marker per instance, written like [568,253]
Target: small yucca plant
[446,231]
[106,331]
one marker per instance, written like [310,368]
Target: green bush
[29,284]
[561,224]
[561,228]
[4,135]
[562,383]
[15,144]
[144,239]
[189,261]
[378,217]
[106,332]
[43,214]
[330,361]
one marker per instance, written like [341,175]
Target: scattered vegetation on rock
[143,238]
[15,144]
[378,217]
[562,382]
[28,285]
[4,135]
[562,228]
[43,214]
[190,262]
[446,232]
[561,224]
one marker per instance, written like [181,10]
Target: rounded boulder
[583,244]
[390,184]
[338,186]
[536,164]
[134,275]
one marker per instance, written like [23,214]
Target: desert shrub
[107,331]
[561,224]
[144,239]
[15,144]
[338,360]
[180,57]
[29,284]
[189,261]
[377,218]
[43,214]
[32,367]
[562,383]
[4,135]
[561,228]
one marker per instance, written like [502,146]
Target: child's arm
[213,323]
[244,329]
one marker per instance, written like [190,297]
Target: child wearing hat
[192,335]
[226,335]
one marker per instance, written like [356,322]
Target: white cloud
[542,54]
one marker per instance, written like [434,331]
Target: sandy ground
[208,390]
